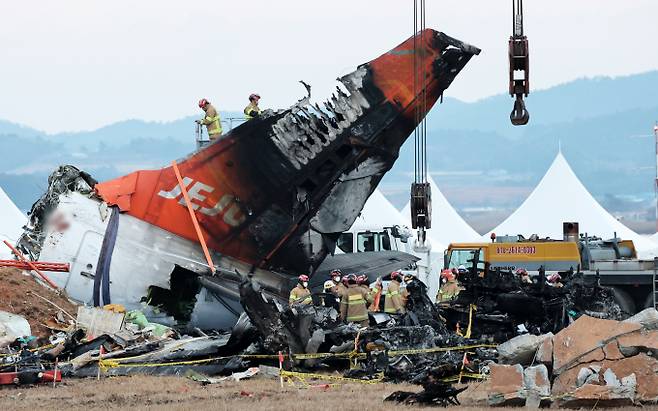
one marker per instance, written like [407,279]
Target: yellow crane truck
[615,261]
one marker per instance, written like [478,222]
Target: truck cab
[373,239]
[512,252]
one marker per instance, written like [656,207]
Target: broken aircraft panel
[271,196]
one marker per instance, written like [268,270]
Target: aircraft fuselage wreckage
[271,197]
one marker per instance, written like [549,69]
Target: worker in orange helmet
[301,294]
[252,110]
[211,120]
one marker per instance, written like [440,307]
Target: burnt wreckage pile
[503,306]
[416,347]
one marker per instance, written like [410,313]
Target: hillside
[603,126]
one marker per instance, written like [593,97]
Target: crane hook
[519,115]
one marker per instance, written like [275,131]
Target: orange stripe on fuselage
[393,73]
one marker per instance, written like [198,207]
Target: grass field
[177,393]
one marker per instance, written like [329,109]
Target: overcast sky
[82,64]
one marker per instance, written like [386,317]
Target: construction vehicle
[613,261]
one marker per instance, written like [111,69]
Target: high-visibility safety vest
[249,109]
[212,121]
[393,304]
[353,304]
[448,292]
[300,295]
[216,127]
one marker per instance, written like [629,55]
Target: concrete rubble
[592,362]
[521,349]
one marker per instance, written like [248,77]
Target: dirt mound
[21,294]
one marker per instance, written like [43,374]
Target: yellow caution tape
[459,376]
[471,308]
[352,356]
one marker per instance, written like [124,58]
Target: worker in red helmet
[449,287]
[393,299]
[252,110]
[211,120]
[523,276]
[354,303]
[301,294]
[554,280]
[362,281]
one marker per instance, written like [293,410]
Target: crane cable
[420,91]
[420,190]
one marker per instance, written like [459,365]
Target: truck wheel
[624,300]
[648,303]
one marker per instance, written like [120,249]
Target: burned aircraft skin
[271,196]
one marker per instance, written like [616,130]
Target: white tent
[561,197]
[654,238]
[447,225]
[12,221]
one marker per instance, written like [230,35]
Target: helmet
[408,276]
[303,278]
[396,275]
[447,275]
[344,279]
[361,279]
[328,285]
[335,273]
[461,269]
[203,102]
[521,271]
[253,96]
[351,279]
[554,278]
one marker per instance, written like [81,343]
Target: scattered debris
[12,326]
[97,321]
[236,376]
[22,295]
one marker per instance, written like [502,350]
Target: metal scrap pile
[415,347]
[503,306]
